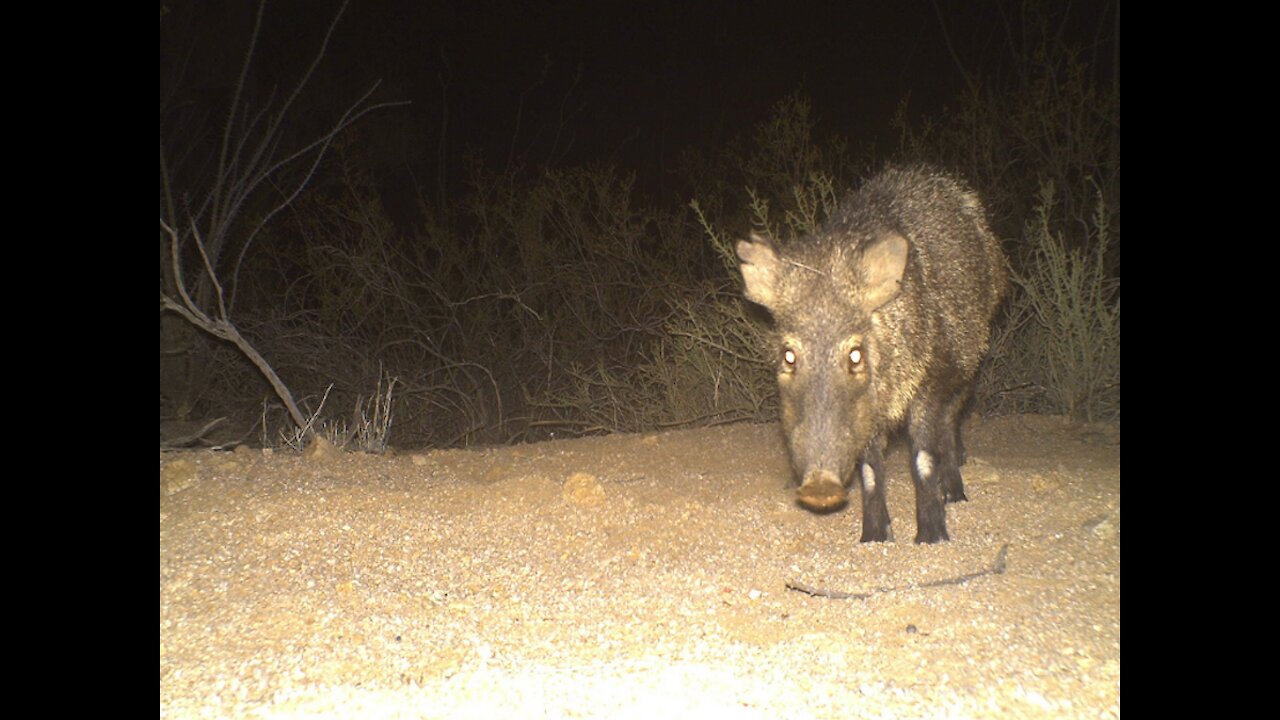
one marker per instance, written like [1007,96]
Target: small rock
[177,476]
[584,490]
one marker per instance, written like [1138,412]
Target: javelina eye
[855,359]
[788,359]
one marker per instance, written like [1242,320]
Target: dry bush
[506,321]
[1060,351]
[1051,116]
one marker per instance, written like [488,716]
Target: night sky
[631,83]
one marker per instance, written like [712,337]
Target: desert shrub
[1060,351]
[763,167]
[1051,115]
[529,311]
[547,305]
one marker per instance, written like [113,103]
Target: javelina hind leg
[933,458]
[954,456]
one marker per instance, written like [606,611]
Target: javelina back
[882,319]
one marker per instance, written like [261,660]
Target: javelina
[882,319]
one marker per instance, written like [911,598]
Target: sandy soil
[635,576]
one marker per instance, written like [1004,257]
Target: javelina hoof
[822,496]
[926,535]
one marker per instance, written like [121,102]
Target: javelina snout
[882,319]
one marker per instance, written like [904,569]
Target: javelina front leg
[875,514]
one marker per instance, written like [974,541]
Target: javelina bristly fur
[882,319]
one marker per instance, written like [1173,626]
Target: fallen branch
[220,326]
[997,568]
[188,440]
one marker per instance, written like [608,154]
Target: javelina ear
[882,265]
[760,270]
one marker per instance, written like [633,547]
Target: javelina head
[824,296]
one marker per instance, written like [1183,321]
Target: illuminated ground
[635,576]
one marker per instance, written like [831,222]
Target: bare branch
[347,119]
[222,328]
[193,438]
[231,113]
[946,36]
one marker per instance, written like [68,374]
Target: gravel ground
[636,575]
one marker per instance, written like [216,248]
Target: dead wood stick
[191,439]
[997,568]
